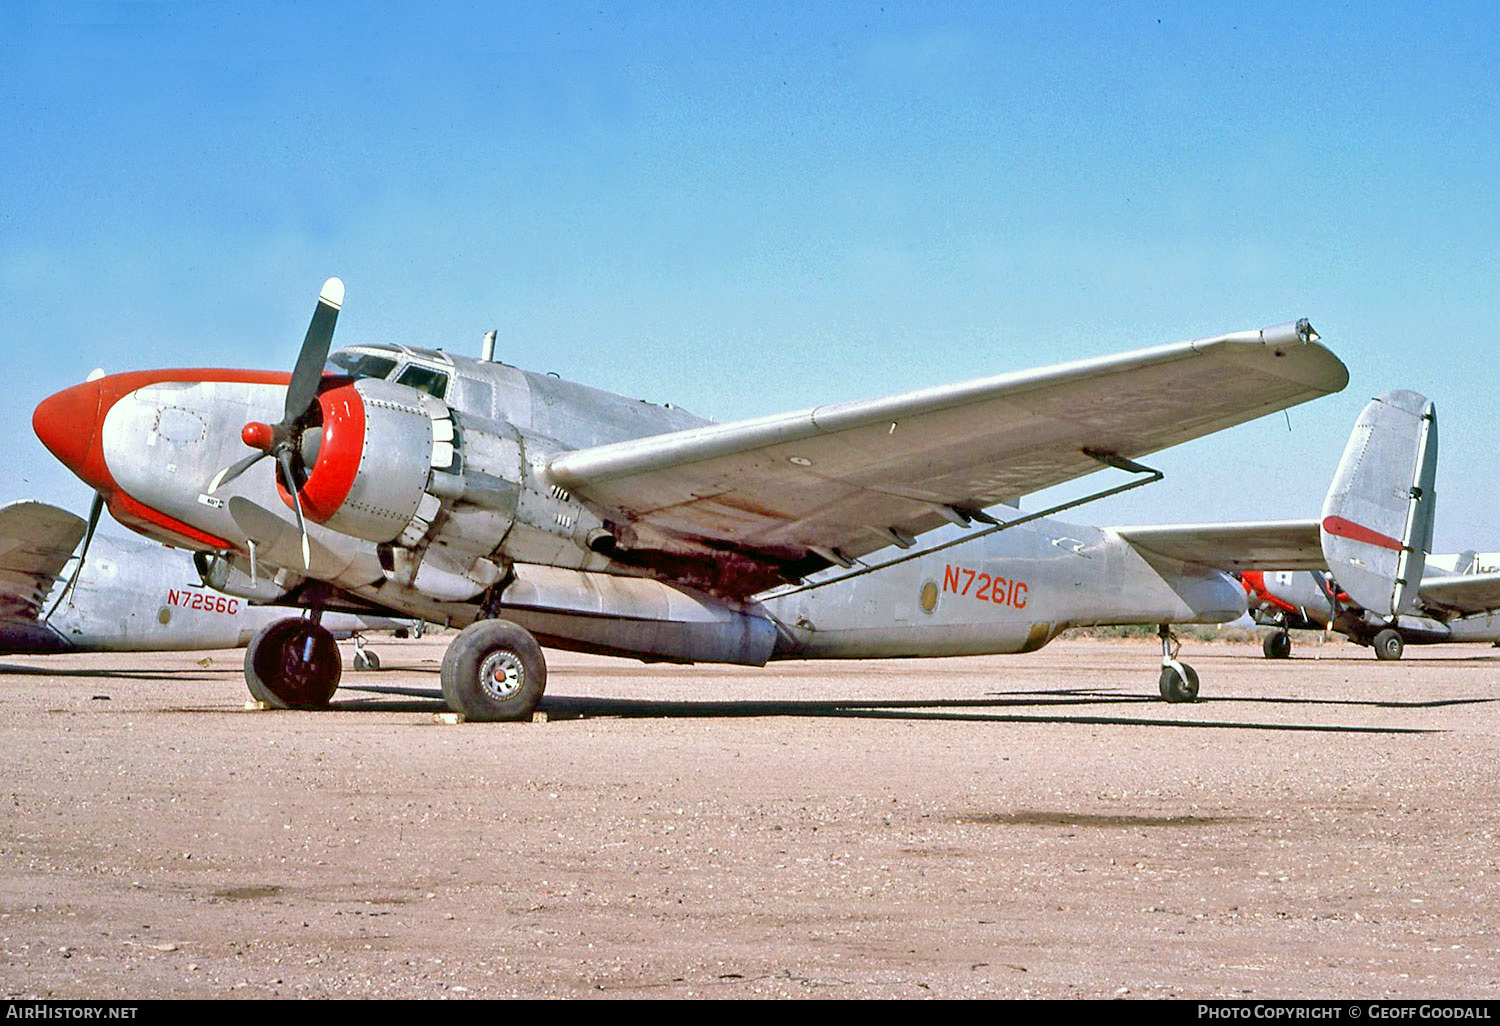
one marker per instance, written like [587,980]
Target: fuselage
[1010,591]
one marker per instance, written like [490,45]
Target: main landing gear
[1179,681]
[293,664]
[493,670]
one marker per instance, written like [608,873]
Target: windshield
[360,365]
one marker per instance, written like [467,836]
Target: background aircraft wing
[36,541]
[845,477]
[1460,593]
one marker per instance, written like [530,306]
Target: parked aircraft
[1450,607]
[532,510]
[124,595]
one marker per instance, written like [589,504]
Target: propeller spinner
[284,440]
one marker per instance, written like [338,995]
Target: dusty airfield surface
[1014,826]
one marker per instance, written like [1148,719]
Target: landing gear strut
[293,664]
[364,658]
[1179,681]
[494,670]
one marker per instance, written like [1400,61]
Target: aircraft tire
[1179,687]
[1277,646]
[277,672]
[1388,645]
[366,661]
[494,670]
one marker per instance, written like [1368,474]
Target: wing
[1460,593]
[851,478]
[1267,545]
[36,541]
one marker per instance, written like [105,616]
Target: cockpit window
[361,365]
[425,379]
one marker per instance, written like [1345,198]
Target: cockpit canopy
[394,364]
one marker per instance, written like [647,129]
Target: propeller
[96,508]
[283,440]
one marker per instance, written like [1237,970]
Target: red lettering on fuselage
[983,587]
[187,598]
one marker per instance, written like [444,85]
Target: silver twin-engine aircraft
[532,511]
[125,595]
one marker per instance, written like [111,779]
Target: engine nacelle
[370,470]
[219,573]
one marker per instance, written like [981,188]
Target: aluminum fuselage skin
[489,509]
[1011,591]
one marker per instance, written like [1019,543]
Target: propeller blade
[95,509]
[284,457]
[302,392]
[234,470]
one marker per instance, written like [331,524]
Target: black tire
[279,672]
[494,670]
[1277,645]
[1179,687]
[1388,645]
[366,661]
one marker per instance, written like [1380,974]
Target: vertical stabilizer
[1377,518]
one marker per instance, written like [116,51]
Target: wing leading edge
[852,477]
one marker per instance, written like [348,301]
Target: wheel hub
[501,675]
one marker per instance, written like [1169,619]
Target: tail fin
[1377,518]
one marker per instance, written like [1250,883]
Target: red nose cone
[257,435]
[68,424]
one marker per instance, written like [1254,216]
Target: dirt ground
[1020,826]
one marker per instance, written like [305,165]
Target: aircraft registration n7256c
[532,511]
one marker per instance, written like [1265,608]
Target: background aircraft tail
[1376,526]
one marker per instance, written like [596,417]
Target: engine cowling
[370,460]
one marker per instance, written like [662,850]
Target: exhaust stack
[487,352]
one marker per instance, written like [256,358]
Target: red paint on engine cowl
[339,456]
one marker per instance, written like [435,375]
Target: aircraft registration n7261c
[532,511]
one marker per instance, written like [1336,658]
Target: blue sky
[746,209]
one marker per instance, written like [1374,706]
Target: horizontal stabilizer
[1265,545]
[1377,518]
